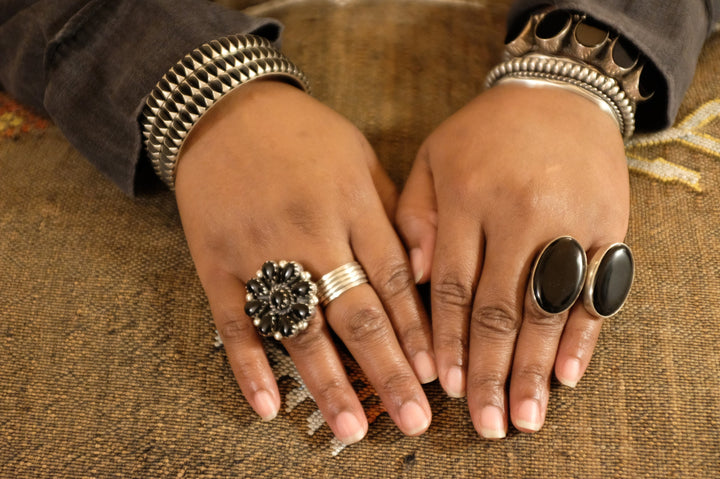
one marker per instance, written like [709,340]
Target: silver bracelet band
[565,48]
[566,70]
[531,82]
[196,83]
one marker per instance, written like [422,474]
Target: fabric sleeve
[669,33]
[90,64]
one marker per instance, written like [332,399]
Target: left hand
[514,169]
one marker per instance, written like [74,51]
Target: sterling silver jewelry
[609,279]
[340,280]
[559,46]
[281,299]
[565,70]
[196,83]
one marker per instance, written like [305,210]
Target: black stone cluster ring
[561,272]
[281,299]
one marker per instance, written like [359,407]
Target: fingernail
[425,367]
[416,261]
[454,383]
[265,405]
[413,418]
[528,416]
[348,429]
[492,423]
[569,372]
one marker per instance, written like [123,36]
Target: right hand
[268,174]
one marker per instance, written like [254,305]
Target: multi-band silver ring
[340,280]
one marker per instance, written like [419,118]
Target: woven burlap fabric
[108,361]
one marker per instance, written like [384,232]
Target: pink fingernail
[424,367]
[416,261]
[413,418]
[492,423]
[348,429]
[265,405]
[528,416]
[454,382]
[569,372]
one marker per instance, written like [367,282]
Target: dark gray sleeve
[670,33]
[89,64]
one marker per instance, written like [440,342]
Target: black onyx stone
[559,275]
[285,326]
[279,299]
[300,311]
[613,279]
[253,286]
[288,271]
[301,289]
[253,307]
[268,270]
[266,324]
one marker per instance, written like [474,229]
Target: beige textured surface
[108,366]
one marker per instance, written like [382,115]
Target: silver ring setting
[609,279]
[340,280]
[281,299]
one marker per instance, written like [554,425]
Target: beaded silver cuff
[563,47]
[196,83]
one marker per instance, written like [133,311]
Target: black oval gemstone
[613,280]
[285,326]
[266,325]
[559,275]
[268,269]
[288,271]
[253,307]
[253,286]
[300,311]
[301,289]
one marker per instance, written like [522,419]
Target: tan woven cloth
[108,366]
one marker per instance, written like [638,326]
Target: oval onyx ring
[558,275]
[609,279]
[281,299]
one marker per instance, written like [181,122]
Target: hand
[514,169]
[269,174]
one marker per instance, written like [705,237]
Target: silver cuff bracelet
[562,47]
[196,83]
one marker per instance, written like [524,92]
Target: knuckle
[501,319]
[395,280]
[449,343]
[308,340]
[489,382]
[450,293]
[333,390]
[366,324]
[397,383]
[533,374]
[233,326]
[546,321]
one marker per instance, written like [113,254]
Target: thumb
[416,217]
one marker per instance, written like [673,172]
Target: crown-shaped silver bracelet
[196,83]
[567,50]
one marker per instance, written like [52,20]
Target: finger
[385,188]
[494,326]
[379,250]
[243,346]
[322,370]
[416,218]
[577,345]
[456,267]
[535,354]
[358,317]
